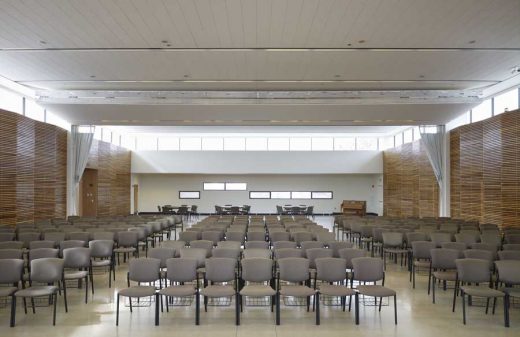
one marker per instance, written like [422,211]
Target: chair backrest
[175,244]
[331,269]
[294,269]
[181,269]
[41,244]
[99,235]
[257,244]
[71,244]
[300,237]
[288,252]
[421,249]
[509,255]
[220,269]
[40,253]
[392,239]
[279,236]
[144,269]
[512,246]
[101,248]
[438,238]
[82,236]
[127,238]
[508,272]
[411,237]
[46,270]
[11,245]
[213,236]
[473,270]
[11,254]
[444,258]
[198,254]
[311,244]
[4,236]
[316,253]
[57,237]
[325,237]
[257,253]
[27,237]
[162,254]
[480,254]
[188,236]
[78,257]
[12,271]
[368,269]
[257,269]
[235,236]
[229,244]
[204,244]
[460,246]
[350,253]
[284,244]
[232,253]
[336,246]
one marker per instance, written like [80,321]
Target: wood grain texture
[410,187]
[33,164]
[485,170]
[113,165]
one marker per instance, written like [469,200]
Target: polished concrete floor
[417,316]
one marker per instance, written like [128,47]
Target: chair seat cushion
[422,264]
[178,291]
[138,291]
[482,291]
[257,290]
[297,291]
[74,275]
[396,250]
[36,291]
[336,290]
[445,275]
[124,250]
[218,291]
[7,291]
[101,263]
[375,291]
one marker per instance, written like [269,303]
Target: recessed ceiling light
[92,76]
[472,41]
[349,44]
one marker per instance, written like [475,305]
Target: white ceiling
[56,46]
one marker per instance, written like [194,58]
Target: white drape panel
[435,149]
[81,143]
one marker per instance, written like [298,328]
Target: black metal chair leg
[197,308]
[13,310]
[278,309]
[117,311]
[317,300]
[157,309]
[395,309]
[54,310]
[463,307]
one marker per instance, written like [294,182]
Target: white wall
[162,189]
[261,162]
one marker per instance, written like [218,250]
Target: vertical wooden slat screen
[485,170]
[113,165]
[33,177]
[410,187]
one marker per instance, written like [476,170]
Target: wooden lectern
[354,207]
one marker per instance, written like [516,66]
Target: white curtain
[435,149]
[81,143]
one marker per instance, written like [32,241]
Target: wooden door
[89,193]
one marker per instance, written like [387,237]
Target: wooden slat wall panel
[485,169]
[33,177]
[410,187]
[113,165]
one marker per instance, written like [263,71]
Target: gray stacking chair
[508,274]
[81,236]
[47,271]
[257,245]
[127,243]
[163,254]
[509,255]
[279,236]
[300,237]
[475,271]
[284,244]
[316,253]
[287,252]
[102,254]
[486,246]
[11,254]
[235,236]
[180,272]
[27,237]
[41,244]
[221,270]
[332,272]
[56,237]
[256,236]
[468,238]
[492,238]
[393,243]
[325,237]
[296,271]
[10,277]
[232,253]
[480,254]
[257,275]
[70,244]
[78,258]
[101,235]
[512,246]
[460,246]
[438,238]
[6,236]
[421,257]
[370,269]
[177,245]
[11,245]
[188,236]
[141,270]
[442,267]
[310,245]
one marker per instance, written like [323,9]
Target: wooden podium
[354,207]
